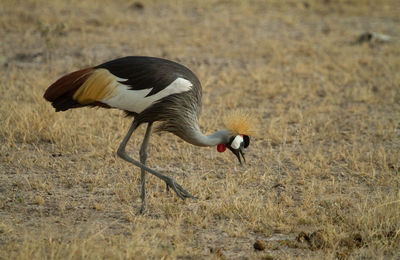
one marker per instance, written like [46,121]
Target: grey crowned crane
[149,89]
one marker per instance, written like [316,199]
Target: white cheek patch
[236,142]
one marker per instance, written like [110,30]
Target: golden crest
[242,122]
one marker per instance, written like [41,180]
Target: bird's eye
[246,140]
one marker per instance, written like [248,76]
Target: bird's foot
[179,190]
[143,209]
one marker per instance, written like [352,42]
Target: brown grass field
[322,179]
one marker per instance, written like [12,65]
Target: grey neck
[219,137]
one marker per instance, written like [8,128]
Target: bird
[150,89]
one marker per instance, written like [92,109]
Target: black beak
[239,152]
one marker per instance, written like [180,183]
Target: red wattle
[221,148]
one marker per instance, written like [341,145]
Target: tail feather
[61,92]
[64,103]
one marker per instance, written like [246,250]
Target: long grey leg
[181,192]
[143,158]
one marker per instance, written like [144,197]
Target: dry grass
[325,168]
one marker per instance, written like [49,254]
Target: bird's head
[236,144]
[241,126]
